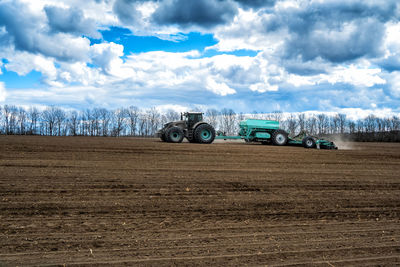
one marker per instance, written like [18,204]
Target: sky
[248,55]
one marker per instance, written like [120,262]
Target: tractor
[191,126]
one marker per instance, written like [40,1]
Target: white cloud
[3,92]
[23,63]
[394,79]
[247,31]
[218,88]
[359,113]
[354,75]
[75,71]
[108,57]
[79,72]
[178,108]
[263,87]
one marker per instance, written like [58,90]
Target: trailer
[269,132]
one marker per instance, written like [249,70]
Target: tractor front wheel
[174,135]
[204,134]
[279,138]
[308,142]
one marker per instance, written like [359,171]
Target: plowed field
[131,201]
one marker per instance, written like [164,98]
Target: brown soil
[131,201]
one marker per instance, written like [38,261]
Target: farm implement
[268,132]
[195,130]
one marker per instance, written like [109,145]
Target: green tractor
[191,126]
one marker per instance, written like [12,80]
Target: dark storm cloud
[337,46]
[336,31]
[70,20]
[205,13]
[126,10]
[390,64]
[24,32]
[256,3]
[18,27]
[305,68]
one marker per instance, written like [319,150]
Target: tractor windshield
[193,118]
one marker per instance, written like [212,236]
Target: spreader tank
[266,124]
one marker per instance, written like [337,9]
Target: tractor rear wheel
[279,137]
[204,134]
[308,142]
[174,135]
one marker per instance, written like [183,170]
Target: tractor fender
[180,124]
[198,123]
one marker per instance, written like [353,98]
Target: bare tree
[291,124]
[334,124]
[153,117]
[395,123]
[352,127]
[1,115]
[22,116]
[105,118]
[143,122]
[6,115]
[73,122]
[172,115]
[322,121]
[212,117]
[49,118]
[83,123]
[342,122]
[133,117]
[59,119]
[311,125]
[33,116]
[228,120]
[369,125]
[301,121]
[118,119]
[277,115]
[96,115]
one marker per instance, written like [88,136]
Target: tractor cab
[192,118]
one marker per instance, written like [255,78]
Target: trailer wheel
[204,134]
[308,142]
[174,135]
[279,137]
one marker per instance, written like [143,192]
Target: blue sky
[248,55]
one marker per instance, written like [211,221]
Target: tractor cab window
[194,118]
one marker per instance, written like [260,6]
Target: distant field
[132,201]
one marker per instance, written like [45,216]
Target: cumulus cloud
[351,41]
[330,52]
[219,88]
[336,31]
[26,32]
[70,20]
[24,62]
[126,11]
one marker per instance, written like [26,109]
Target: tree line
[133,121]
